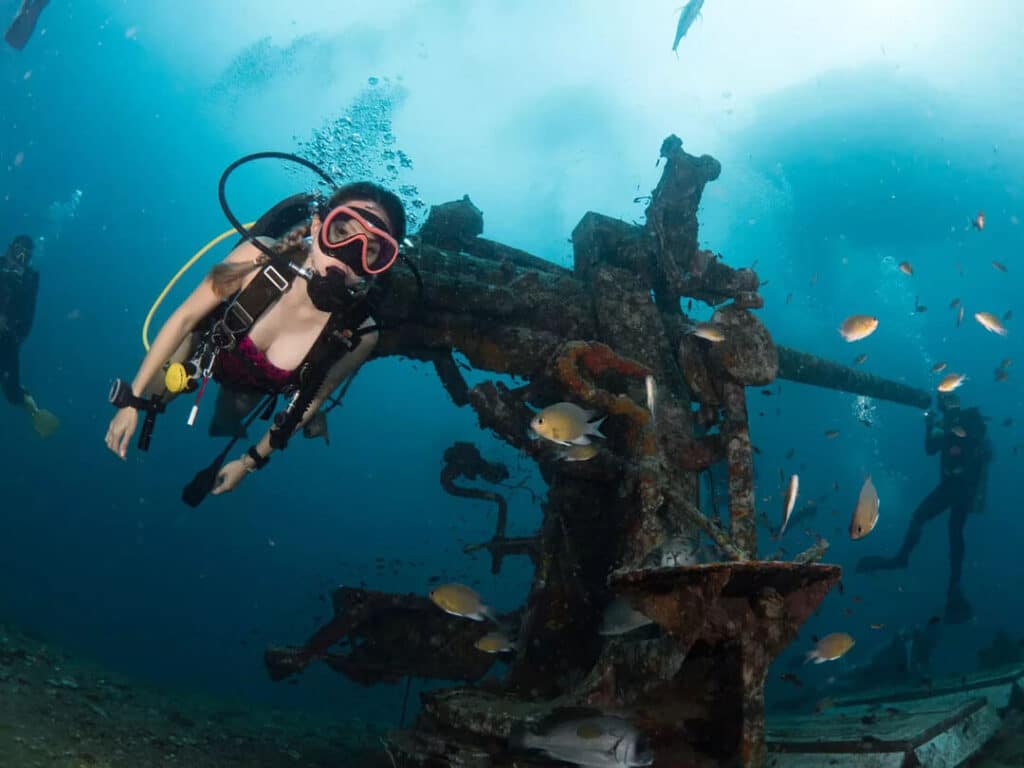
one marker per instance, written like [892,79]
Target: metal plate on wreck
[748,353]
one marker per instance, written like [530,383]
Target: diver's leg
[933,504]
[958,610]
[10,377]
[43,422]
[957,522]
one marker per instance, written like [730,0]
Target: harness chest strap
[339,337]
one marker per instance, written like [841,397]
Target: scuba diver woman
[258,329]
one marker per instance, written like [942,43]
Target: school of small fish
[571,427]
[866,512]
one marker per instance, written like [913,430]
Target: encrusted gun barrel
[805,368]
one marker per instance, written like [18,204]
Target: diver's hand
[229,477]
[121,429]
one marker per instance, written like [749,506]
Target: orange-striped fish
[990,323]
[708,332]
[865,515]
[830,648]
[857,327]
[951,382]
[905,268]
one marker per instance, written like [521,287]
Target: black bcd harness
[342,333]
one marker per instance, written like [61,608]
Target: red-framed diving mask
[359,238]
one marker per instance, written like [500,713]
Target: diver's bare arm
[341,371]
[182,322]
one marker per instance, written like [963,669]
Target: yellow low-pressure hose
[167,288]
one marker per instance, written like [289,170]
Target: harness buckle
[276,278]
[241,314]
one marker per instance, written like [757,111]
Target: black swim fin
[24,23]
[206,479]
[204,482]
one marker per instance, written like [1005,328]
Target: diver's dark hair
[368,190]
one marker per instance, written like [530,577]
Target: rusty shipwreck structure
[591,335]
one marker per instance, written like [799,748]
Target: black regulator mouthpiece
[330,292]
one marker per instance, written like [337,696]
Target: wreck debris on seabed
[592,335]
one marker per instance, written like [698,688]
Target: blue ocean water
[852,137]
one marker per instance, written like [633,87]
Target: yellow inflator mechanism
[181,377]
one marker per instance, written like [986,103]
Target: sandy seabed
[59,712]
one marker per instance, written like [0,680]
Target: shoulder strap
[251,302]
[277,276]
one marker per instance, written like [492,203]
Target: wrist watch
[259,462]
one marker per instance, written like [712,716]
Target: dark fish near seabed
[494,642]
[689,15]
[586,739]
[459,600]
[621,618]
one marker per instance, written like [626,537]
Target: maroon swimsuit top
[247,366]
